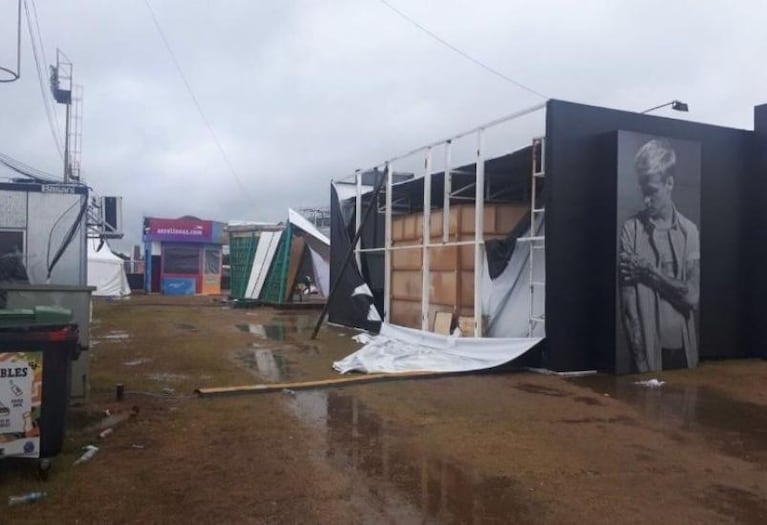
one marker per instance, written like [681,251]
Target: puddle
[271,365]
[304,348]
[540,389]
[274,332]
[281,326]
[410,485]
[168,378]
[187,326]
[115,336]
[588,401]
[738,428]
[137,362]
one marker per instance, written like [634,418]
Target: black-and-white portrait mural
[658,260]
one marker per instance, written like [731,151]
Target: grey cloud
[302,91]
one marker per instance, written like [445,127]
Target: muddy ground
[513,447]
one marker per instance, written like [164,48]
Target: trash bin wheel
[44,466]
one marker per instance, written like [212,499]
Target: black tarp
[346,307]
[499,251]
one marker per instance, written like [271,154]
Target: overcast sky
[300,92]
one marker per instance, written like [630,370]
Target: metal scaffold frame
[536,242]
[426,243]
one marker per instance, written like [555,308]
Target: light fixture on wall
[676,105]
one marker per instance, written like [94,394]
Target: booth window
[12,256]
[212,261]
[11,242]
[181,259]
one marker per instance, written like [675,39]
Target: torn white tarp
[506,299]
[364,289]
[651,383]
[399,349]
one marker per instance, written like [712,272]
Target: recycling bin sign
[21,376]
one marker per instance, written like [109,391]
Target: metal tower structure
[61,87]
[74,140]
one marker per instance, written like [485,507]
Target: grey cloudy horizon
[303,91]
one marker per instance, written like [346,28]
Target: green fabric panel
[274,287]
[242,250]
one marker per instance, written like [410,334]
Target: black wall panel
[755,241]
[580,236]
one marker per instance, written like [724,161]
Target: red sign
[182,230]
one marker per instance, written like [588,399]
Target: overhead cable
[461,52]
[194,99]
[41,78]
[27,171]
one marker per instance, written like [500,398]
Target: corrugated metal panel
[267,247]
[274,287]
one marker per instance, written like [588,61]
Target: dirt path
[492,448]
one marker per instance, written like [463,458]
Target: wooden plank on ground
[322,383]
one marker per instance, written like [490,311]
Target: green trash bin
[37,346]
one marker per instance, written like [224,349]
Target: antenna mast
[61,87]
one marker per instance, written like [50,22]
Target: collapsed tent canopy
[280,263]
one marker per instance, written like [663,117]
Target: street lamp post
[676,105]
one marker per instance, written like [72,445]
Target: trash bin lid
[39,315]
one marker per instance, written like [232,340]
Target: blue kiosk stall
[183,256]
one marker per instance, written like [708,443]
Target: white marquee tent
[106,271]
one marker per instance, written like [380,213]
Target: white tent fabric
[506,299]
[319,247]
[106,271]
[299,220]
[321,271]
[349,190]
[399,349]
[262,260]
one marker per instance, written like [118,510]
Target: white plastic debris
[362,338]
[90,451]
[29,497]
[651,383]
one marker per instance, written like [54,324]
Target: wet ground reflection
[265,331]
[413,485]
[737,427]
[280,328]
[271,365]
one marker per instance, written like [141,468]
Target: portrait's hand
[634,268]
